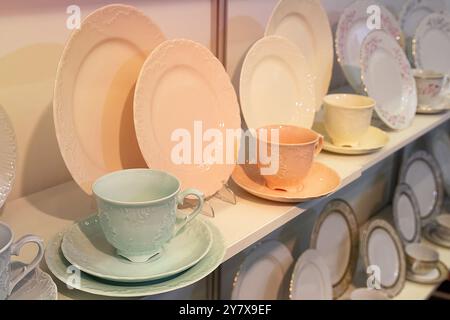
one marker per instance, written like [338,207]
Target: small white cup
[421,259]
[431,87]
[347,117]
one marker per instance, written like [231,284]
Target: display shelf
[50,211]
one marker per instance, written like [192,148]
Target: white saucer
[438,275]
[374,140]
[440,107]
[37,285]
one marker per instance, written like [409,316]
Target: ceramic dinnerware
[421,259]
[382,247]
[311,278]
[321,181]
[286,155]
[305,23]
[351,30]
[9,248]
[36,285]
[7,156]
[430,88]
[421,172]
[137,210]
[184,107]
[347,118]
[431,44]
[430,233]
[335,237]
[406,212]
[86,248]
[271,259]
[443,225]
[94,92]
[410,16]
[276,85]
[436,276]
[388,78]
[439,145]
[58,265]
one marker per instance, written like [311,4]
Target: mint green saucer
[86,248]
[64,271]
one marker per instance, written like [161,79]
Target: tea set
[432,90]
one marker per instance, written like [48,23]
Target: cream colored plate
[372,141]
[320,182]
[94,90]
[305,23]
[276,85]
[183,91]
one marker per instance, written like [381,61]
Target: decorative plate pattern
[366,233]
[380,44]
[62,270]
[354,18]
[8,156]
[94,88]
[436,57]
[306,24]
[345,210]
[180,85]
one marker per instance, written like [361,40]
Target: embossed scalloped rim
[8,156]
[59,267]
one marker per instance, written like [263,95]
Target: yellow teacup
[347,117]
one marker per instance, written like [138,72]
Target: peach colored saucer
[320,182]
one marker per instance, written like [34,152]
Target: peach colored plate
[320,182]
[93,101]
[183,91]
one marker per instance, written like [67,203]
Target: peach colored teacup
[293,149]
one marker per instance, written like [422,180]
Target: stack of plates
[82,258]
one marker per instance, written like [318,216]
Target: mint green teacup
[137,210]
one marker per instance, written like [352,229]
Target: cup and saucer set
[20,281]
[346,125]
[139,243]
[433,91]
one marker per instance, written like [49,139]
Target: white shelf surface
[50,211]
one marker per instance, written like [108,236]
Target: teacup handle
[188,218]
[15,250]
[319,145]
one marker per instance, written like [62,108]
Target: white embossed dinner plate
[184,96]
[421,172]
[431,44]
[64,271]
[305,23]
[262,274]
[439,143]
[85,247]
[94,90]
[7,156]
[412,13]
[383,249]
[335,237]
[276,85]
[351,30]
[388,78]
[406,212]
[311,278]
